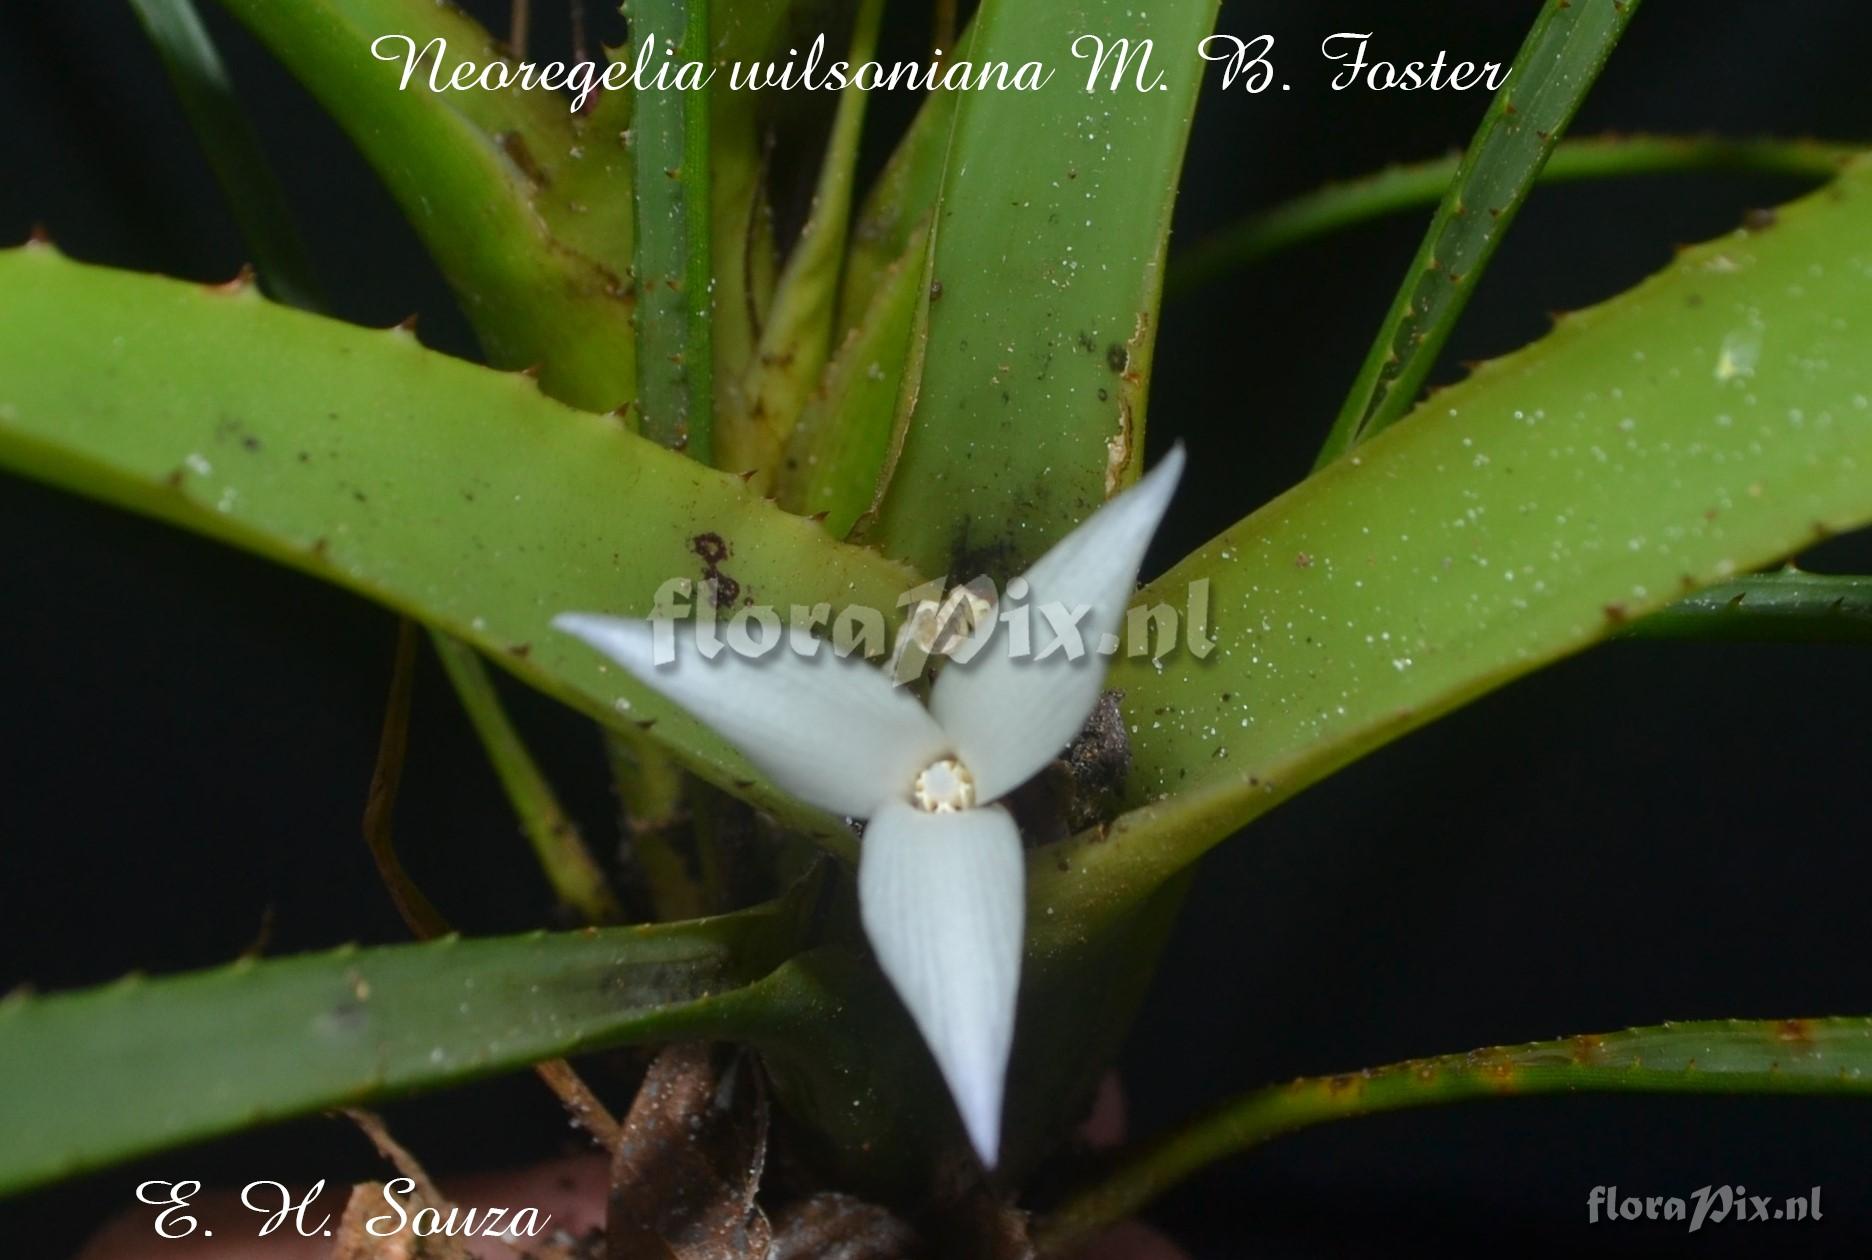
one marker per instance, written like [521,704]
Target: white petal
[943,898]
[1010,715]
[830,730]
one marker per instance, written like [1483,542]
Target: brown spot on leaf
[714,552]
[515,147]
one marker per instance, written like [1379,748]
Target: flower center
[944,787]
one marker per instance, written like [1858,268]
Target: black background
[1645,832]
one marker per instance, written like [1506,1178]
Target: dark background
[1642,833]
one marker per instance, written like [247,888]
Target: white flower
[941,880]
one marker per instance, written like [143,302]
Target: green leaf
[285,271]
[1785,607]
[1394,189]
[795,341]
[1709,422]
[742,128]
[842,442]
[232,147]
[1557,65]
[1790,1056]
[847,434]
[447,491]
[106,1074]
[890,226]
[502,187]
[1028,409]
[670,146]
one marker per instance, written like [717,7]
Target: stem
[1785,607]
[575,876]
[1398,188]
[943,28]
[586,1108]
[1793,1056]
[424,921]
[517,28]
[655,820]
[1558,63]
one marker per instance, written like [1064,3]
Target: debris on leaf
[1084,785]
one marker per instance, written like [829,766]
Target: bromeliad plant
[940,886]
[943,378]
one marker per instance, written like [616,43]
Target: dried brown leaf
[690,1161]
[839,1227]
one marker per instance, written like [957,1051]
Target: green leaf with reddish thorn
[450,492]
[1558,63]
[539,272]
[1790,606]
[1788,1056]
[102,1075]
[1028,411]
[1395,189]
[1710,421]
